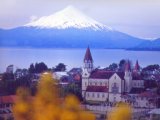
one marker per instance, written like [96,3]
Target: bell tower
[128,76]
[88,61]
[87,69]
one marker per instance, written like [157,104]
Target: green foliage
[151,67]
[122,64]
[71,89]
[38,68]
[31,68]
[60,67]
[113,66]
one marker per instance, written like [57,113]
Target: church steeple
[88,56]
[137,67]
[88,61]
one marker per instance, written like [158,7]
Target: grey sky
[139,18]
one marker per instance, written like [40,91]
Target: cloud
[33,18]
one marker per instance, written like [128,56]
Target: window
[100,84]
[95,83]
[147,104]
[115,88]
[141,98]
[7,105]
[97,95]
[92,94]
[90,83]
[102,95]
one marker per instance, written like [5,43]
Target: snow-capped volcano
[70,17]
[68,28]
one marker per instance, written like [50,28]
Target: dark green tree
[31,68]
[122,64]
[40,67]
[113,67]
[60,67]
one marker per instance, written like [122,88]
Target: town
[98,89]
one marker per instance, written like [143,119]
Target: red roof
[103,74]
[88,56]
[97,89]
[148,94]
[8,99]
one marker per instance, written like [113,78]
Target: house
[6,103]
[154,114]
[10,69]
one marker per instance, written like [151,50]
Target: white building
[110,86]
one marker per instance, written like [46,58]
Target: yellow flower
[121,112]
[46,105]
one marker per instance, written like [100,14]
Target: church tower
[128,76]
[136,68]
[87,69]
[88,61]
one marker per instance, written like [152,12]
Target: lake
[22,58]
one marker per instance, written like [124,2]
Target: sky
[139,18]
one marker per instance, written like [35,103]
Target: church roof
[137,90]
[103,74]
[137,67]
[97,89]
[148,94]
[88,55]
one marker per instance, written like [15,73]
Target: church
[109,86]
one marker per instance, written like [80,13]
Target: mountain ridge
[68,28]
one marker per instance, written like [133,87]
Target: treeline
[41,67]
[121,66]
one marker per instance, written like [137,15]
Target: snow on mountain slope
[67,18]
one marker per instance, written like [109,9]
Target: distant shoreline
[67,48]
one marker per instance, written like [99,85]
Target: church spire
[137,67]
[88,61]
[88,56]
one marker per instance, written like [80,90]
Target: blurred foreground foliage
[121,112]
[46,105]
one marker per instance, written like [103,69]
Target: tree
[151,68]
[40,67]
[60,67]
[113,67]
[22,109]
[74,89]
[31,68]
[122,64]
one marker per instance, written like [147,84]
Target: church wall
[138,83]
[96,96]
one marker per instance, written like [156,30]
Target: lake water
[22,58]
